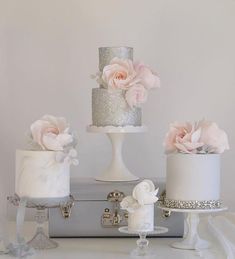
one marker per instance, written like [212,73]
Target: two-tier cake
[123,87]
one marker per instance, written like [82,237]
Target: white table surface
[116,248]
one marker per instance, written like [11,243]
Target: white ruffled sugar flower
[129,204]
[143,193]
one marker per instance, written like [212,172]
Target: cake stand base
[192,240]
[142,250]
[42,241]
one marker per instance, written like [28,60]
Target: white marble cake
[39,175]
[142,219]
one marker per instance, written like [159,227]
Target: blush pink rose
[136,95]
[119,74]
[146,76]
[213,136]
[183,137]
[51,133]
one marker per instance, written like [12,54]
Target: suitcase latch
[115,217]
[115,196]
[165,213]
[66,208]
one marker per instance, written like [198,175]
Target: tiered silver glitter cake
[109,108]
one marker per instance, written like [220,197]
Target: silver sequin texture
[178,204]
[106,54]
[111,109]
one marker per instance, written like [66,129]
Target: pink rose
[146,76]
[183,137]
[136,95]
[213,137]
[119,74]
[201,137]
[51,133]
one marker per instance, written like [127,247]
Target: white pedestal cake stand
[142,249]
[192,240]
[117,171]
[40,240]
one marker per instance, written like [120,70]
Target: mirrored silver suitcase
[96,211]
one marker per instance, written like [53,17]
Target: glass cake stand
[142,249]
[117,171]
[41,240]
[192,240]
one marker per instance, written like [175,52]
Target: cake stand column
[117,171]
[40,239]
[192,239]
[143,250]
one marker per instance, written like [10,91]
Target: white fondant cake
[109,108]
[39,175]
[140,206]
[193,180]
[142,219]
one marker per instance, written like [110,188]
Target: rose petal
[145,193]
[136,95]
[37,129]
[119,74]
[182,148]
[196,135]
[147,77]
[150,183]
[51,143]
[58,122]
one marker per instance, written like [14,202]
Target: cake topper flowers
[144,193]
[134,78]
[51,133]
[201,137]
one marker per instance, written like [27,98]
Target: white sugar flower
[145,193]
[129,204]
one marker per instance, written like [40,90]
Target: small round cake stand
[116,171]
[192,240]
[40,240]
[142,249]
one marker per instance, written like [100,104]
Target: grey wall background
[48,49]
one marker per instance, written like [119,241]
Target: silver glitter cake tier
[106,54]
[109,108]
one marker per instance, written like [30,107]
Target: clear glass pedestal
[143,250]
[40,240]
